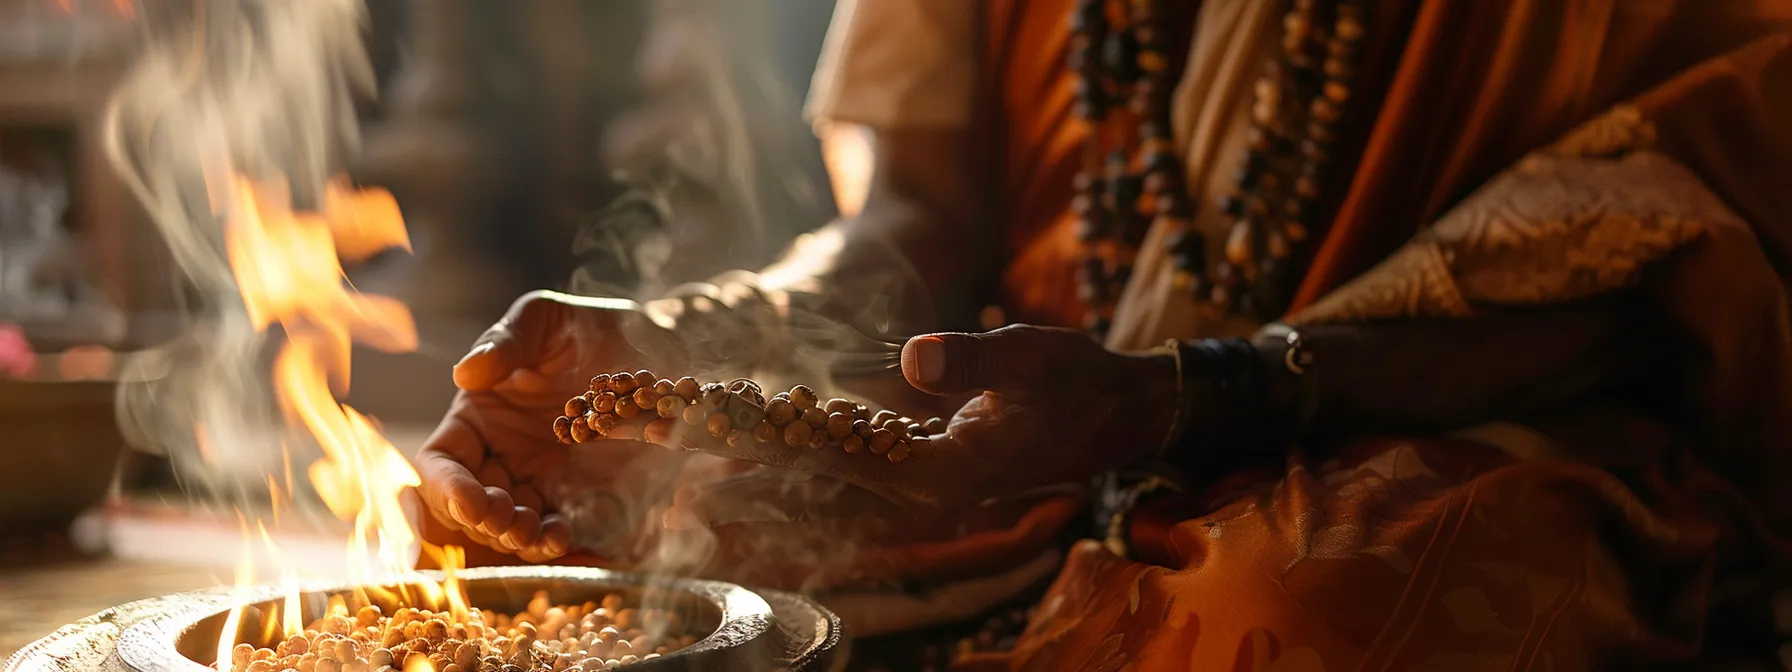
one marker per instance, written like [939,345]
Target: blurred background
[489,129]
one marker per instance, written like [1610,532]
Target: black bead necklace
[1132,173]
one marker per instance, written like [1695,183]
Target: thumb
[509,345]
[1007,358]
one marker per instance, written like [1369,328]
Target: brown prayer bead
[577,406]
[803,397]
[670,405]
[862,428]
[645,397]
[921,446]
[605,403]
[600,382]
[935,425]
[780,411]
[815,417]
[718,425]
[838,405]
[898,453]
[1238,243]
[1277,245]
[839,426]
[626,408]
[765,432]
[622,383]
[686,388]
[695,414]
[797,434]
[581,432]
[882,440]
[853,445]
[563,429]
[1295,231]
[882,416]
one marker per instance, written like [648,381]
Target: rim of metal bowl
[745,617]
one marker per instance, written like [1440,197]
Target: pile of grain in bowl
[595,635]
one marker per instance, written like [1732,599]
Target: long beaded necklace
[1130,180]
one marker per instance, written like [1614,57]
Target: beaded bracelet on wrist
[618,405]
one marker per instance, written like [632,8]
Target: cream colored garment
[895,63]
[1211,112]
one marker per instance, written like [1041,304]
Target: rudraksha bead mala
[737,412]
[1131,179]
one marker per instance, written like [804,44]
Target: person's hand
[493,469]
[1055,409]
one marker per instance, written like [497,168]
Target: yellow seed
[367,615]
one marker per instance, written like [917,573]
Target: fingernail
[477,351]
[930,359]
[554,547]
[458,513]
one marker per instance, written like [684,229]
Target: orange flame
[288,268]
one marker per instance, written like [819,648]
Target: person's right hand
[493,469]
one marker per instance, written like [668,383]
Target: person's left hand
[1056,409]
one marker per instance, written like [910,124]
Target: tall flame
[288,266]
[241,96]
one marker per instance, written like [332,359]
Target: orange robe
[1445,553]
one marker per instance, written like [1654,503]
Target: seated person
[1405,334]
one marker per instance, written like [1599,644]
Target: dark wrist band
[1238,397]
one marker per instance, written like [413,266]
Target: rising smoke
[262,88]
